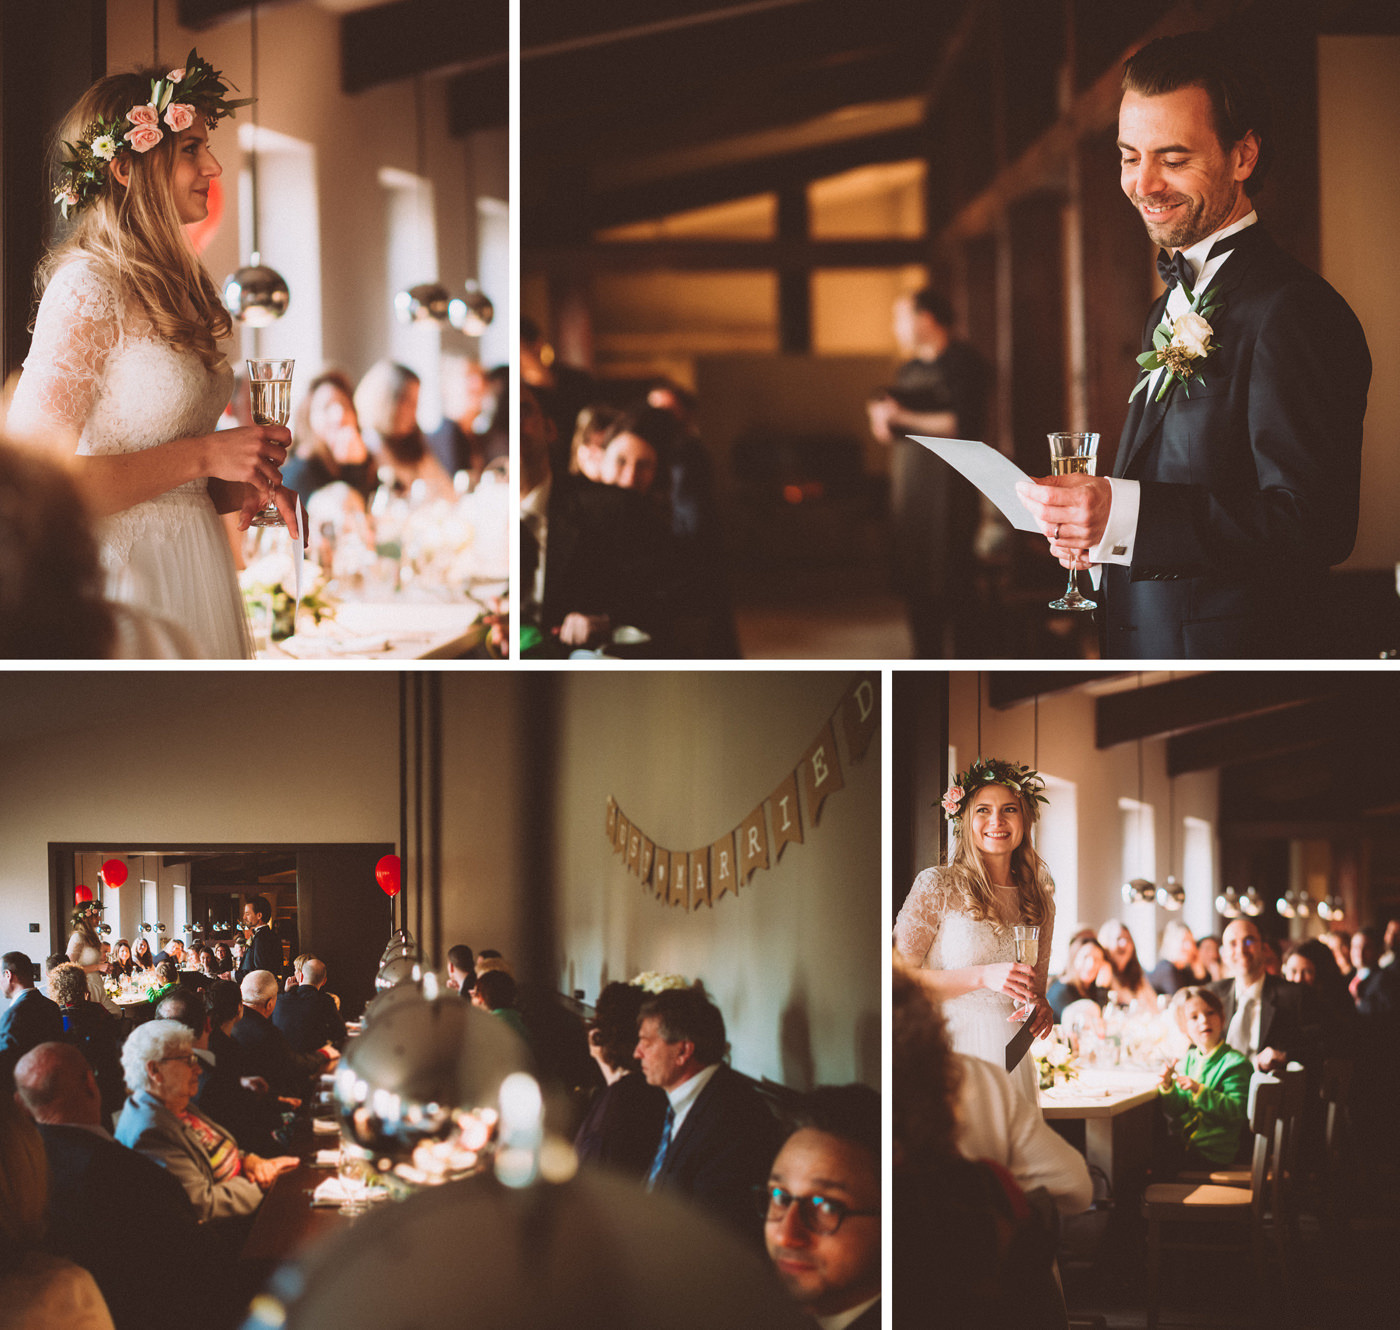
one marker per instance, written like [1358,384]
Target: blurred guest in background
[328,445]
[1176,959]
[474,429]
[1207,966]
[387,403]
[588,445]
[1124,978]
[1079,980]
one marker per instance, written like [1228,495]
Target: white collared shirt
[1243,992]
[842,1319]
[1120,531]
[684,1095]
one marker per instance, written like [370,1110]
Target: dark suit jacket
[1290,1018]
[606,553]
[869,1319]
[266,1053]
[264,953]
[724,1148]
[31,1019]
[1251,484]
[308,1019]
[89,1174]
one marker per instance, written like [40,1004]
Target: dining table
[1108,1112]
[387,630]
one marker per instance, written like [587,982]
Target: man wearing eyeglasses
[821,1209]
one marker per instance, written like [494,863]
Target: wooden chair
[1205,1203]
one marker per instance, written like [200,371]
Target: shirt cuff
[1120,531]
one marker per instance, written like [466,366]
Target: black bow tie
[1173,269]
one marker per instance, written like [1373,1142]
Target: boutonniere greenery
[1180,346]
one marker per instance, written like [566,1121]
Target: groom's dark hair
[1239,97]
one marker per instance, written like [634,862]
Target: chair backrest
[1265,1098]
[1335,1090]
[1288,1133]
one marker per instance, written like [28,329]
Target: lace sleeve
[77,329]
[917,925]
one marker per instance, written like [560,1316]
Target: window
[179,915]
[412,258]
[1140,860]
[150,910]
[1198,875]
[1057,842]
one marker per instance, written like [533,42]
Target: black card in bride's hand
[1020,1041]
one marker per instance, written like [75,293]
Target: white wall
[353,138]
[1101,778]
[795,963]
[184,756]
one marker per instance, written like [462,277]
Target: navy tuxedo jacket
[1251,483]
[1290,1018]
[263,953]
[309,1019]
[723,1149]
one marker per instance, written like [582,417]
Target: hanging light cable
[1140,890]
[474,314]
[255,295]
[428,302]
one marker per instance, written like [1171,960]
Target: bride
[125,374]
[954,929]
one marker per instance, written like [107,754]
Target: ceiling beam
[1202,699]
[410,37]
[726,255]
[1294,729]
[1009,688]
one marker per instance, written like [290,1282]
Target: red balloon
[386,873]
[114,872]
[82,895]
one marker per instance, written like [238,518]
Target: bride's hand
[250,454]
[286,500]
[1013,978]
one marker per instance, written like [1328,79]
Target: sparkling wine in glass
[270,391]
[1026,938]
[354,1182]
[1073,454]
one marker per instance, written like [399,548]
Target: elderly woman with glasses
[160,1121]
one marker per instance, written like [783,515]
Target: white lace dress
[933,933]
[97,373]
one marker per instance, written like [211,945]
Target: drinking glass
[1072,454]
[270,392]
[350,1169]
[1026,938]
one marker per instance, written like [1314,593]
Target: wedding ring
[1057,531]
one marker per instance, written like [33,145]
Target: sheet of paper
[994,474]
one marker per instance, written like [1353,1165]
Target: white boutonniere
[1180,346]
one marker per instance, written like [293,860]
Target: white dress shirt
[1243,1036]
[1120,532]
[684,1095]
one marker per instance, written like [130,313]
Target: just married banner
[692,878]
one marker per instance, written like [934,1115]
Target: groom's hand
[1072,511]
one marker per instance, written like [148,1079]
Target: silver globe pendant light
[474,314]
[427,302]
[255,295]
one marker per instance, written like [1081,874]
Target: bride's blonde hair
[966,871]
[133,233]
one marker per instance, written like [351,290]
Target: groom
[1232,494]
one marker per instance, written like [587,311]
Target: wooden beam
[408,37]
[1009,688]
[1203,699]
[1293,729]
[724,255]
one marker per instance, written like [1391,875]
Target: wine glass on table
[1073,454]
[1026,939]
[270,391]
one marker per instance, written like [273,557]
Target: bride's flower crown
[176,100]
[991,771]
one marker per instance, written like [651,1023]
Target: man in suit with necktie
[719,1136]
[1269,1020]
[1237,479]
[30,1019]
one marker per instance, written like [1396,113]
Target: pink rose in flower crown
[179,116]
[952,800]
[143,138]
[144,115]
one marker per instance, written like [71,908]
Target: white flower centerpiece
[1055,1061]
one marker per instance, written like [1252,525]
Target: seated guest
[329,446]
[121,958]
[141,955]
[495,991]
[87,1170]
[719,1136]
[1206,1095]
[38,1291]
[174,951]
[623,1125]
[1269,1020]
[252,1117]
[160,1121]
[1298,967]
[30,1019]
[387,403]
[472,433]
[307,1015]
[266,1051]
[964,1241]
[168,976]
[588,445]
[1079,980]
[461,969]
[997,1123]
[1174,970]
[1124,980]
[95,1034]
[1338,942]
[821,1208]
[1207,968]
[223,959]
[224,1003]
[1376,989]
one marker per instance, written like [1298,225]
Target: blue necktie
[661,1149]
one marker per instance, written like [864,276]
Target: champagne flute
[1026,938]
[1072,454]
[351,1170]
[270,392]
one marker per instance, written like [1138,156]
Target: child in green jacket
[1206,1098]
